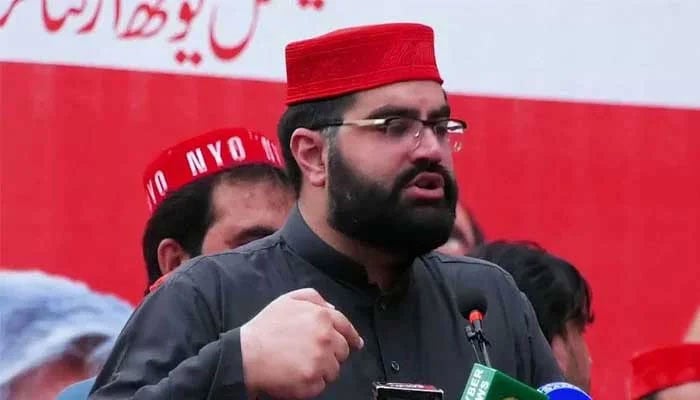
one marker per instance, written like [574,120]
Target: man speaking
[348,292]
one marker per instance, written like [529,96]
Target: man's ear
[170,255]
[308,150]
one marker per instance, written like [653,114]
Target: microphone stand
[484,343]
[476,337]
[471,336]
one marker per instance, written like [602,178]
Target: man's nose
[428,146]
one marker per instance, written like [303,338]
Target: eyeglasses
[448,131]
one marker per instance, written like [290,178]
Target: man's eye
[451,126]
[399,127]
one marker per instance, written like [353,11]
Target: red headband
[663,368]
[359,58]
[204,155]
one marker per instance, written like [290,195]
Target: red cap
[204,155]
[359,58]
[665,367]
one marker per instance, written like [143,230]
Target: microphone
[472,300]
[473,305]
[475,319]
[563,391]
[490,384]
[486,382]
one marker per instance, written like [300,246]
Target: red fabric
[203,155]
[359,58]
[663,368]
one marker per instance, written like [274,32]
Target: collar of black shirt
[341,268]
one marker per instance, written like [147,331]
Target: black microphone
[473,305]
[486,382]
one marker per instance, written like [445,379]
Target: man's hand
[295,346]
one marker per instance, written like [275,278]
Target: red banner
[603,177]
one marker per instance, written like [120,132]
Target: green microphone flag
[489,384]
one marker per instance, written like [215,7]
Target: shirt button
[395,366]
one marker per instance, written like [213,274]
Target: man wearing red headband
[211,193]
[348,292]
[667,373]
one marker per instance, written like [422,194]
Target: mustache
[408,175]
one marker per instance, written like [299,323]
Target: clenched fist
[295,346]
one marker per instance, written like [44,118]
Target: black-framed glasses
[447,130]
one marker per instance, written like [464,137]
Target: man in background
[667,373]
[208,194]
[560,296]
[224,188]
[53,331]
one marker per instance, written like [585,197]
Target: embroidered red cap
[664,367]
[204,155]
[359,58]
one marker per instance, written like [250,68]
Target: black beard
[372,214]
